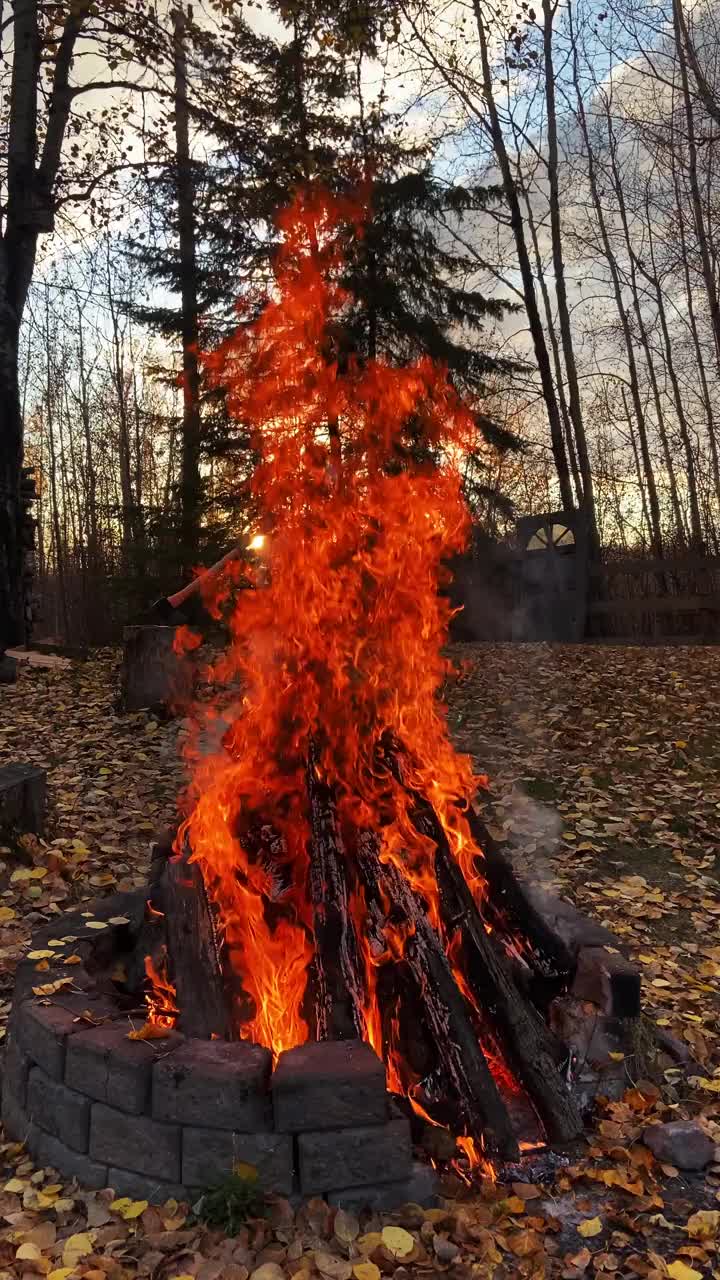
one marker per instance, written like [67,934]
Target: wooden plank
[658,604]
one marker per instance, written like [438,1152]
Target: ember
[333,830]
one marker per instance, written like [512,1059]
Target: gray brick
[49,1151]
[135,1143]
[329,1085]
[215,1084]
[108,1067]
[139,1186]
[420,1188]
[16,1067]
[354,1157]
[18,1127]
[59,1111]
[609,980]
[209,1156]
[42,1029]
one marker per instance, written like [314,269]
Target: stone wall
[169,1117]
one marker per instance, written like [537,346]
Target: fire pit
[100,1093]
[332,906]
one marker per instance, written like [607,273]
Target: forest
[541,184]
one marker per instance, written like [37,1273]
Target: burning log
[193,949]
[336,971]
[462,1062]
[525,1038]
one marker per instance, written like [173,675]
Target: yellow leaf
[681,1271]
[38,873]
[590,1227]
[28,1253]
[40,955]
[151,1031]
[128,1209]
[704,1224]
[77,1247]
[616,1057]
[397,1241]
[680,743]
[701,1082]
[184,1276]
[242,1169]
[16,1184]
[514,1205]
[366,1271]
[62,1273]
[6,913]
[96,924]
[369,1242]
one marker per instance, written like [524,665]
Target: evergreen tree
[276,113]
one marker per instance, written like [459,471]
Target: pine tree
[278,113]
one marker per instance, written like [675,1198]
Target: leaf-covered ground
[605,775]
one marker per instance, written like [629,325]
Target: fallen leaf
[397,1241]
[704,1224]
[366,1271]
[681,1271]
[77,1247]
[328,1264]
[346,1227]
[590,1227]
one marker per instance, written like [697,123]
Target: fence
[631,600]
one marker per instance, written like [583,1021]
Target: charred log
[336,977]
[193,949]
[461,1061]
[524,1037]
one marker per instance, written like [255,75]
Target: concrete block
[8,669]
[16,1068]
[16,1124]
[609,980]
[108,1067]
[57,1110]
[420,1188]
[42,1031]
[355,1157]
[209,1156]
[215,1084]
[23,797]
[329,1085]
[136,1143]
[48,1151]
[138,1186]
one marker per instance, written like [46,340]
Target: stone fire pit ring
[167,1118]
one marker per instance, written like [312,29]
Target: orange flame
[160,996]
[359,493]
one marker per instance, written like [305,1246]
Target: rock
[681,1143]
[445,1250]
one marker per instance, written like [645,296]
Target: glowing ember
[359,493]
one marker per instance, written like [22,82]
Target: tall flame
[358,485]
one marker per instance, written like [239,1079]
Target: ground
[604,768]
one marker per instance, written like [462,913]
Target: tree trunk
[190,464]
[568,349]
[11,594]
[531,304]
